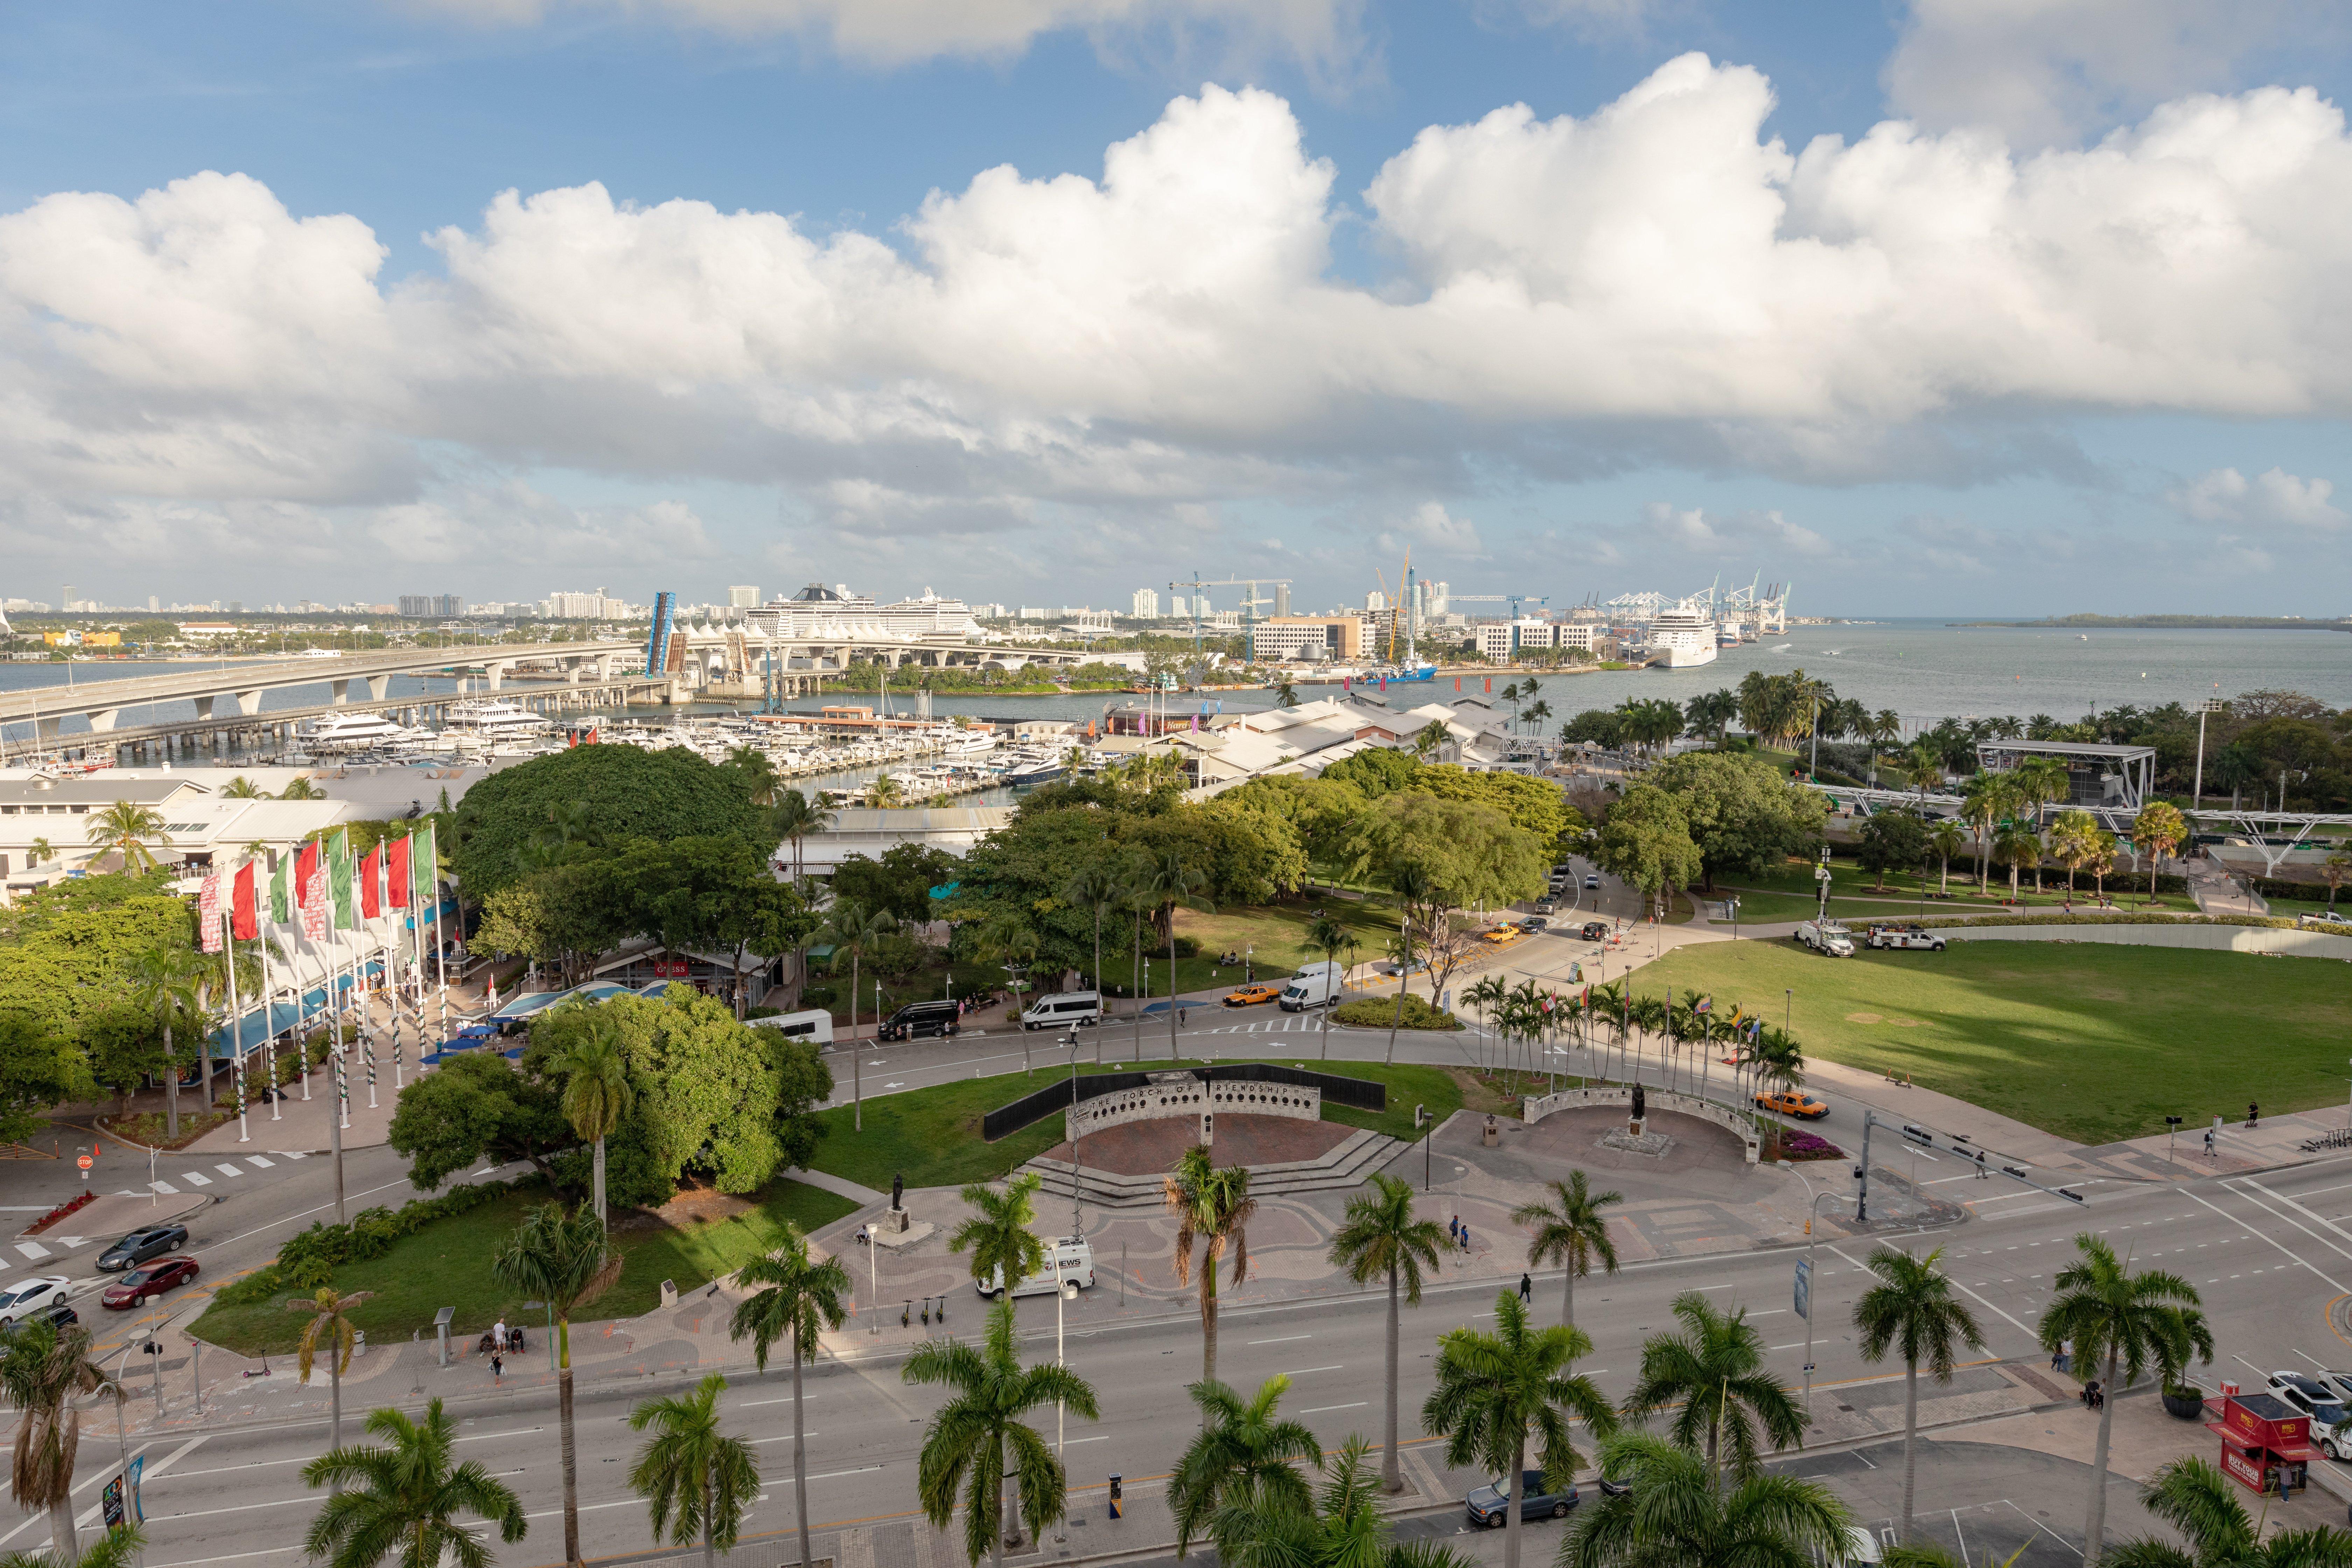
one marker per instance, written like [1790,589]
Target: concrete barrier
[2210,938]
[1535,1108]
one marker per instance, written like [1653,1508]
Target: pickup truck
[1903,936]
[1827,938]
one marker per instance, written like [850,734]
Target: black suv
[917,1019]
[60,1313]
[141,1245]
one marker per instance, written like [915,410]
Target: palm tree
[1328,937]
[1573,1232]
[1987,798]
[1342,1528]
[1945,839]
[800,1299]
[2120,1321]
[243,788]
[1285,695]
[1429,737]
[1242,1454]
[301,788]
[561,1259]
[997,1231]
[1912,1310]
[1412,886]
[2200,1502]
[759,774]
[328,1325]
[793,817]
[978,1441]
[118,1548]
[1713,1374]
[1676,1515]
[1380,1237]
[42,1369]
[1491,1388]
[2333,871]
[696,1479]
[38,850]
[405,1499]
[2159,829]
[1164,882]
[884,792]
[852,928]
[125,826]
[2017,846]
[1486,994]
[163,983]
[1095,888]
[1214,1206]
[2075,838]
[596,1093]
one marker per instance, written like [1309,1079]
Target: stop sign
[84,1162]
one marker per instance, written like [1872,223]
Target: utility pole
[1861,1198]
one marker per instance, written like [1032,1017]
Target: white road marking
[195,1178]
[225,1169]
[166,1188]
[259,1161]
[32,1249]
[1322,1409]
[1283,1341]
[1301,1372]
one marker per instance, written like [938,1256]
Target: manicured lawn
[932,1135]
[448,1264]
[2089,1041]
[1276,932]
[1788,893]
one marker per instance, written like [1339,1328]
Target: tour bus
[814,1026]
[1076,1257]
[1059,1012]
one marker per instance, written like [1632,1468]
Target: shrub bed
[1379,1012]
[309,1258]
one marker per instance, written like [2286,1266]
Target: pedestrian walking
[1526,1287]
[1454,1229]
[498,1363]
[1466,1238]
[2209,1143]
[2065,1362]
[1982,1174]
[2253,1114]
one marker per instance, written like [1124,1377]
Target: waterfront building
[743,596]
[1317,638]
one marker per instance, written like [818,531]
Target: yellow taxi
[1503,935]
[1251,995]
[1792,1103]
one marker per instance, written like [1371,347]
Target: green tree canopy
[901,882]
[1646,841]
[1742,815]
[1893,840]
[621,793]
[1471,853]
[476,1106]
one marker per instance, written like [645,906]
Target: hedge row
[2279,887]
[1379,1012]
[309,1259]
[2140,918]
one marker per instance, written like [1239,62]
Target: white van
[1074,1254]
[1315,985]
[1059,1012]
[814,1026]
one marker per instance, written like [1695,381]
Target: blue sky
[1566,353]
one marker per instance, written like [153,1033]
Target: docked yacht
[1028,768]
[354,731]
[497,722]
[1682,636]
[968,742]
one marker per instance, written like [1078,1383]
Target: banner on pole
[342,879]
[396,873]
[314,905]
[1805,1288]
[424,868]
[208,912]
[371,882]
[245,916]
[281,890]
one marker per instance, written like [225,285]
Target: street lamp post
[1812,1216]
[1077,1203]
[1063,1290]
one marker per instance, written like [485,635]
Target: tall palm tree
[1242,1452]
[118,1548]
[1412,885]
[1162,881]
[2016,847]
[1328,937]
[2202,1503]
[978,1440]
[2120,1321]
[300,788]
[562,1259]
[1095,889]
[851,928]
[2334,870]
[1211,1205]
[1572,1232]
[1493,1388]
[793,817]
[799,1298]
[1712,1375]
[696,1479]
[1677,1515]
[998,1232]
[42,1368]
[1987,798]
[1912,1310]
[2075,840]
[596,1093]
[164,981]
[243,788]
[404,1500]
[1945,839]
[329,1326]
[1342,1527]
[125,827]
[1381,1238]
[2159,830]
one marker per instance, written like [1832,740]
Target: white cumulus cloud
[2274,498]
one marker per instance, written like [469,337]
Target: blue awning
[538,1002]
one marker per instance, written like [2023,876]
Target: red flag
[397,893]
[371,868]
[314,902]
[306,872]
[244,914]
[1457,683]
[1490,686]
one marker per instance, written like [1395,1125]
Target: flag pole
[392,957]
[268,1034]
[237,1026]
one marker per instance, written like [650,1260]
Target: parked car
[153,1281]
[1063,1009]
[1251,996]
[1861,1549]
[919,1018]
[27,1297]
[2324,1404]
[141,1245]
[1615,1485]
[1315,985]
[1826,937]
[1489,1506]
[1075,1256]
[61,1314]
[1594,930]
[1792,1103]
[1591,880]
[1903,936]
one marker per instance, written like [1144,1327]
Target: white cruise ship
[497,722]
[352,731]
[1683,635]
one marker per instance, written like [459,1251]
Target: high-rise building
[153,603]
[743,596]
[1177,607]
[1282,598]
[1146,605]
[425,607]
[563,607]
[1376,601]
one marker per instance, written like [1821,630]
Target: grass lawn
[1276,932]
[448,1264]
[1788,893]
[932,1135]
[2092,1042]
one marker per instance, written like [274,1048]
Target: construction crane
[1250,604]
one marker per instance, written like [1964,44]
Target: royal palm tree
[854,929]
[1163,881]
[125,827]
[42,1369]
[1329,936]
[978,1440]
[1987,798]
[243,788]
[695,1479]
[164,982]
[1486,994]
[1095,889]
[596,1093]
[1412,885]
[1945,839]
[2200,1502]
[1243,1453]
[1572,1232]
[2017,846]
[1712,1375]
[331,1328]
[562,1259]
[1492,1389]
[1214,1206]
[1342,1527]
[1380,1237]
[404,1501]
[998,1232]
[301,788]
[1912,1311]
[799,1298]
[793,817]
[2040,780]
[1678,1514]
[2158,830]
[2120,1321]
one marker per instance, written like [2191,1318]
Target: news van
[1059,1012]
[1316,985]
[1073,1253]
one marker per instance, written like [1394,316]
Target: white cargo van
[1059,1012]
[1076,1257]
[1316,985]
[814,1026]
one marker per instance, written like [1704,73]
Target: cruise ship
[1683,635]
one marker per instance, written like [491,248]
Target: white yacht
[352,731]
[497,721]
[968,742]
[1683,635]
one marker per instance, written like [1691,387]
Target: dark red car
[147,1280]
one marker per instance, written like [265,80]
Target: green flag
[340,885]
[281,880]
[424,875]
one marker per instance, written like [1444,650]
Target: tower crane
[1250,604]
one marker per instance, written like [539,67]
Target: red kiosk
[2263,1439]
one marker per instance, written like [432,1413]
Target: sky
[1944,307]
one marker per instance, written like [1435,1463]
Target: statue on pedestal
[898,1190]
[1641,1110]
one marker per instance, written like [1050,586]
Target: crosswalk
[48,1246]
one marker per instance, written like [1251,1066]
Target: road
[2269,1256]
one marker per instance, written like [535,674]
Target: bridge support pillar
[343,690]
[205,707]
[103,718]
[249,702]
[377,685]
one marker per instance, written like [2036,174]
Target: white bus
[814,1026]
